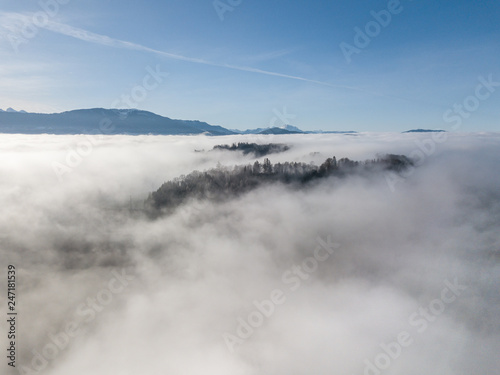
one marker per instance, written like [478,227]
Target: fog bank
[384,274]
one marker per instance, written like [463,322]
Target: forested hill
[223,182]
[255,149]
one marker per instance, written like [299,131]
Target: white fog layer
[376,274]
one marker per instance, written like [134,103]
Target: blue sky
[256,63]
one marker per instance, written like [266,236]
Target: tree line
[258,150]
[221,182]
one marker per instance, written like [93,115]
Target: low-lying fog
[377,275]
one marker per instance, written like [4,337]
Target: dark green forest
[223,182]
[258,150]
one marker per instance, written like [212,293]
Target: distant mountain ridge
[117,121]
[12,110]
[424,131]
[288,129]
[121,121]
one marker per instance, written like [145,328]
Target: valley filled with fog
[387,272]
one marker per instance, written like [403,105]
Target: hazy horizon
[250,64]
[455,128]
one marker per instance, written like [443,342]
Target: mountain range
[130,121]
[120,121]
[12,110]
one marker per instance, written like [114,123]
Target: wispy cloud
[267,56]
[12,21]
[117,43]
[91,37]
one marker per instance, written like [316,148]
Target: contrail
[117,43]
[91,37]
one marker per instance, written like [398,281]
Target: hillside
[105,121]
[223,183]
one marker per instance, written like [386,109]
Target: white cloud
[201,268]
